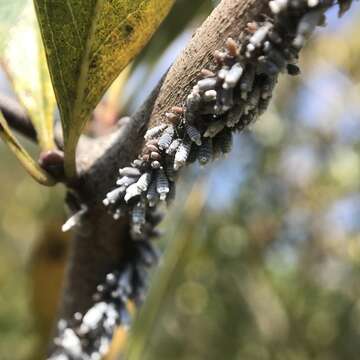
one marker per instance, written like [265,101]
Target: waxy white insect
[233,76]
[205,151]
[162,184]
[214,128]
[194,134]
[138,216]
[126,181]
[173,146]
[115,195]
[144,181]
[152,194]
[153,132]
[131,192]
[129,171]
[166,138]
[182,154]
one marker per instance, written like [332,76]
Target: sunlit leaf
[23,156]
[9,13]
[26,62]
[88,43]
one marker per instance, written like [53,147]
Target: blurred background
[268,267]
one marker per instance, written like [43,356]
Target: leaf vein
[74,22]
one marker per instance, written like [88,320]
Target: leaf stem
[30,165]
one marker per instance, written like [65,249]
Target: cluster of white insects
[88,336]
[222,101]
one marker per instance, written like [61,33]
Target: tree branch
[99,243]
[100,159]
[103,244]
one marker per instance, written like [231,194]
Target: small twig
[33,168]
[17,117]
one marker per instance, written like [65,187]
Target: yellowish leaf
[25,60]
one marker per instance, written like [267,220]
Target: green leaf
[23,156]
[88,43]
[25,60]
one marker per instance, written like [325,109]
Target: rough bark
[229,19]
[97,248]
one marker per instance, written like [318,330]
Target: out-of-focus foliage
[87,44]
[47,269]
[9,13]
[26,212]
[273,269]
